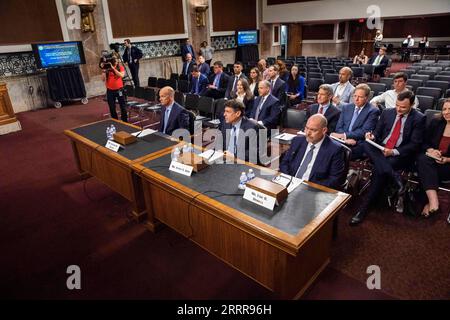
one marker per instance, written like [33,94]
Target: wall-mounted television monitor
[247,37]
[57,54]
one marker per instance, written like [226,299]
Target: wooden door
[361,37]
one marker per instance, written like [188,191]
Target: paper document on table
[301,132]
[215,121]
[143,133]
[211,155]
[285,136]
[376,145]
[433,156]
[287,181]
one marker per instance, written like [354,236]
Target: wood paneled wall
[318,32]
[438,26]
[25,22]
[231,15]
[140,18]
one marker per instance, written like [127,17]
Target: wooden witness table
[114,168]
[284,250]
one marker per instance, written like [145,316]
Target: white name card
[259,198]
[181,168]
[111,145]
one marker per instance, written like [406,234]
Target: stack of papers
[301,132]
[215,121]
[433,156]
[211,155]
[285,136]
[338,139]
[143,132]
[287,181]
[376,145]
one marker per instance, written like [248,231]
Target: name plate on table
[260,198]
[111,145]
[181,168]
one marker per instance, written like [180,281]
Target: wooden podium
[8,120]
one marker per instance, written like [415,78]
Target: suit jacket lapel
[299,156]
[320,155]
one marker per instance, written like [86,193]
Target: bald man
[316,157]
[343,90]
[173,116]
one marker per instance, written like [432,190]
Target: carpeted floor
[51,219]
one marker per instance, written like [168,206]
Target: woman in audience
[434,165]
[253,80]
[206,51]
[295,87]
[283,73]
[361,58]
[244,95]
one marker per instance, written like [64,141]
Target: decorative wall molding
[223,42]
[16,64]
[157,49]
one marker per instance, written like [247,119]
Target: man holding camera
[132,55]
[112,76]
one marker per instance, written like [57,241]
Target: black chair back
[425,102]
[183,86]
[179,98]
[191,101]
[149,94]
[152,81]
[294,118]
[206,106]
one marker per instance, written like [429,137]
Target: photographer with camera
[112,75]
[131,56]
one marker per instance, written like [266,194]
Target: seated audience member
[203,67]
[325,106]
[432,171]
[356,119]
[198,81]
[361,58]
[232,81]
[389,97]
[343,90]
[315,157]
[262,67]
[377,40]
[187,65]
[295,87]
[380,62]
[218,82]
[283,72]
[237,135]
[255,78]
[277,85]
[266,108]
[206,51]
[244,95]
[186,48]
[173,116]
[400,131]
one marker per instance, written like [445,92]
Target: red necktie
[392,141]
[321,110]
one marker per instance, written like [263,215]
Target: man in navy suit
[203,67]
[232,82]
[315,157]
[380,62]
[266,108]
[198,81]
[218,82]
[239,135]
[131,56]
[277,85]
[356,119]
[400,131]
[187,65]
[173,116]
[325,106]
[187,48]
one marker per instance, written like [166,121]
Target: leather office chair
[294,119]
[425,102]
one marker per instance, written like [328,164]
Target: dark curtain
[247,54]
[65,83]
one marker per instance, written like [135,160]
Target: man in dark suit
[173,116]
[131,56]
[356,119]
[379,61]
[325,106]
[239,135]
[315,157]
[187,48]
[266,108]
[232,82]
[218,82]
[400,131]
[198,81]
[187,65]
[277,85]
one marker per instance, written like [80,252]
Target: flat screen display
[48,55]
[247,37]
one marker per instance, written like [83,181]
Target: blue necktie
[355,116]
[235,83]
[258,108]
[301,171]
[232,147]
[186,68]
[217,80]
[166,119]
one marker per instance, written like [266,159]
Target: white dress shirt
[389,99]
[311,164]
